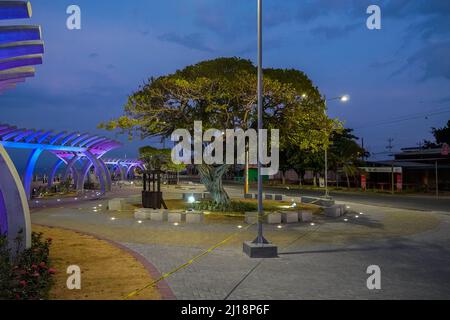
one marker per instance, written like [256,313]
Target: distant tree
[441,136]
[346,153]
[159,159]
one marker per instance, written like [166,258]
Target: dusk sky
[399,72]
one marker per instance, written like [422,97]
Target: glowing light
[280,227]
[356,217]
[191,199]
[345,220]
[58,200]
[239,227]
[75,198]
[312,224]
[176,224]
[345,98]
[294,205]
[139,221]
[113,218]
[361,213]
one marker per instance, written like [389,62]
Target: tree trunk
[348,180]
[211,178]
[283,178]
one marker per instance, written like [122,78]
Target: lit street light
[343,99]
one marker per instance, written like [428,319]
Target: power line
[404,118]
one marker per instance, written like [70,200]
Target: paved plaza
[327,260]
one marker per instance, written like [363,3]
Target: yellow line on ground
[186,264]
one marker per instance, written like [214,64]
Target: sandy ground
[107,273]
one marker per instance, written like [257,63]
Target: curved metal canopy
[21,47]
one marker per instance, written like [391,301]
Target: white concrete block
[159,215]
[116,204]
[273,218]
[141,215]
[194,217]
[251,217]
[333,211]
[176,216]
[305,216]
[289,216]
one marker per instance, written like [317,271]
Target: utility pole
[390,147]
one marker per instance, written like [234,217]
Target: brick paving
[326,261]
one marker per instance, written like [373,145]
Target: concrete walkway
[324,261]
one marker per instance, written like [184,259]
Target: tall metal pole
[260,238]
[437,180]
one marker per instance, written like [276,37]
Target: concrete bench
[248,196]
[159,215]
[333,211]
[194,217]
[271,218]
[305,216]
[289,216]
[116,204]
[176,216]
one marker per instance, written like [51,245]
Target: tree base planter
[116,204]
[289,217]
[333,211]
[248,196]
[194,217]
[254,250]
[176,217]
[268,197]
[305,216]
[278,197]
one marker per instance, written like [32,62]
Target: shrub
[25,275]
[233,206]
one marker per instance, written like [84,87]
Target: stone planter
[176,217]
[305,216]
[248,196]
[116,204]
[278,197]
[269,197]
[289,217]
[194,217]
[159,215]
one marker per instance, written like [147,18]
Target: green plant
[232,206]
[25,275]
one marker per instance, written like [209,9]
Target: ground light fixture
[191,199]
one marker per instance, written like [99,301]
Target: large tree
[222,94]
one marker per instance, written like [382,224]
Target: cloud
[334,32]
[432,60]
[192,41]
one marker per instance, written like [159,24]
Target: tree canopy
[222,93]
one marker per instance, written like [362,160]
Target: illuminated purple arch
[69,148]
[21,48]
[124,166]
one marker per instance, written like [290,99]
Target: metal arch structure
[21,48]
[69,148]
[123,166]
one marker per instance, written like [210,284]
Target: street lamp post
[343,98]
[260,247]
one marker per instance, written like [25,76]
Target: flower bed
[25,275]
